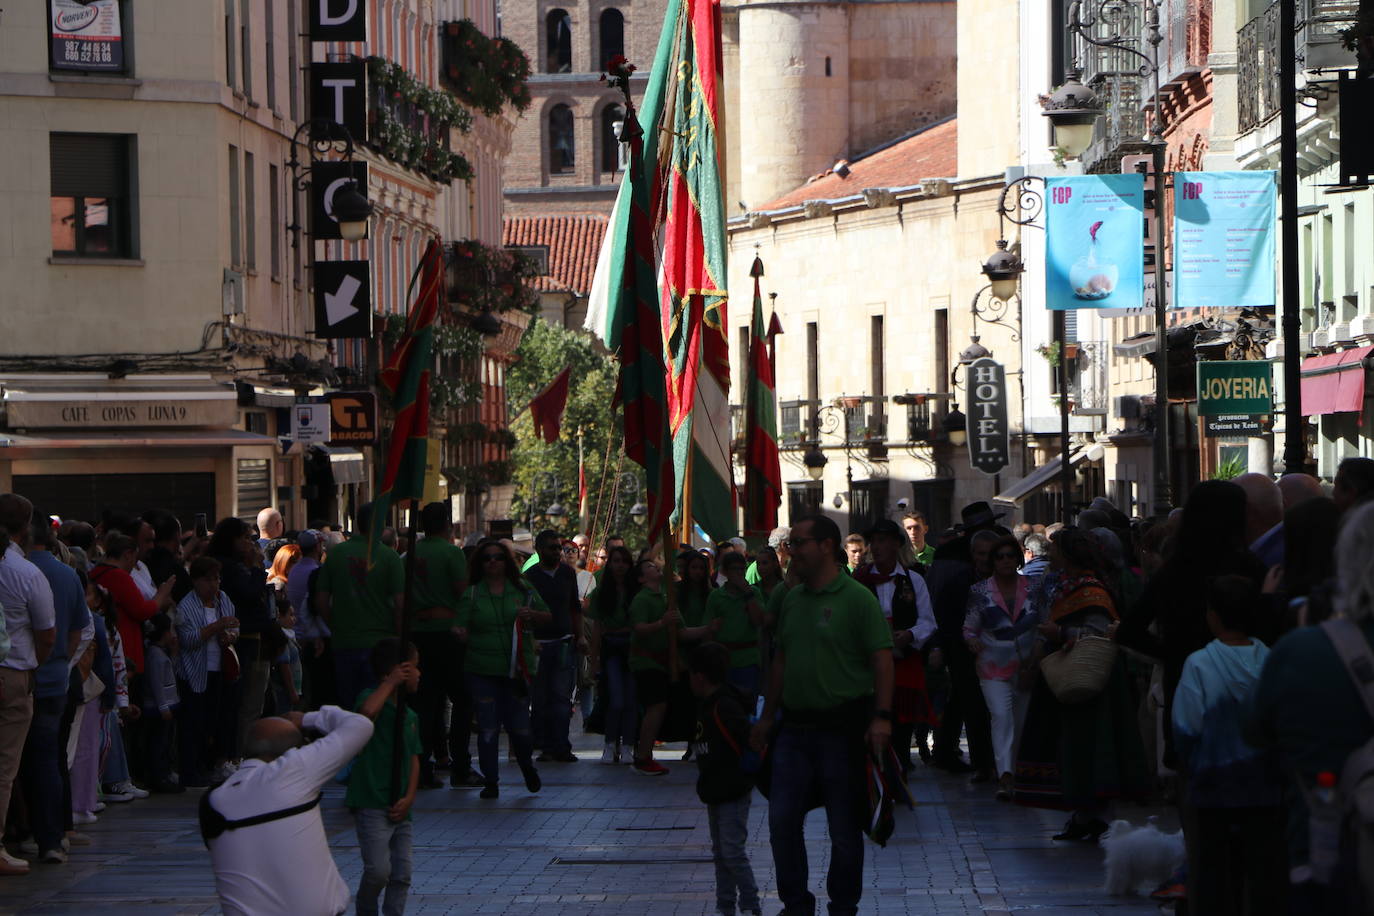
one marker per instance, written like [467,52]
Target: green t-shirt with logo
[369,782]
[737,632]
[362,601]
[648,652]
[441,573]
[828,638]
[490,622]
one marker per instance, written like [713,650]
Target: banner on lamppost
[989,439]
[1224,239]
[1094,241]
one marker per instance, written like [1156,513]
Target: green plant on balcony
[410,122]
[485,73]
[485,277]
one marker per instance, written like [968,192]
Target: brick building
[565,156]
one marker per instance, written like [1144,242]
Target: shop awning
[1334,382]
[347,465]
[143,438]
[1045,474]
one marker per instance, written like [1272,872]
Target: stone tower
[809,84]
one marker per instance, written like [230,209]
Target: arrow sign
[343,306]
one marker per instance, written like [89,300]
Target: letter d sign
[338,20]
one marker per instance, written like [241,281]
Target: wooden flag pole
[398,758]
[670,592]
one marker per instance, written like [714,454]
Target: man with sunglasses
[832,680]
[555,676]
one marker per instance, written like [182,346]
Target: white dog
[1140,857]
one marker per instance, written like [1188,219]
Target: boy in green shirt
[739,607]
[383,825]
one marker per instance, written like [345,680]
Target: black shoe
[545,757]
[924,751]
[469,780]
[558,757]
[489,791]
[982,775]
[952,764]
[687,754]
[532,780]
[1082,831]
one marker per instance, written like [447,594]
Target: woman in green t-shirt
[609,610]
[495,618]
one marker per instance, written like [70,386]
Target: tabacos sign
[1234,388]
[989,440]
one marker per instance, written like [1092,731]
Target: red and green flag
[762,470]
[405,377]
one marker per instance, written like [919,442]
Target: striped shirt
[192,617]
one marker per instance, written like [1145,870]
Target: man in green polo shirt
[360,605]
[441,577]
[832,680]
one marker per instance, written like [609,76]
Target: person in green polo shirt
[739,607]
[916,528]
[496,618]
[441,577]
[381,819]
[832,680]
[361,605]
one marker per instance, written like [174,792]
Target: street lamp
[1003,270]
[815,461]
[554,512]
[639,513]
[1073,110]
[348,204]
[352,210]
[955,426]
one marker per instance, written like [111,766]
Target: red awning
[1334,382]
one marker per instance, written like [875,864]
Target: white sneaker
[12,865]
[608,754]
[127,787]
[53,857]
[99,807]
[114,795]
[83,817]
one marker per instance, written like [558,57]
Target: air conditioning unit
[232,292]
[1126,407]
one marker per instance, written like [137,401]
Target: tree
[545,473]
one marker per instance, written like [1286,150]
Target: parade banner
[1094,241]
[1224,239]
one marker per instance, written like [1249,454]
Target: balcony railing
[1257,49]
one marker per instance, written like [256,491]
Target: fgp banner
[86,35]
[1224,239]
[1094,241]
[989,443]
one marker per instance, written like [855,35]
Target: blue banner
[1094,241]
[1224,239]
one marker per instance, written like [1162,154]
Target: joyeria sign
[989,438]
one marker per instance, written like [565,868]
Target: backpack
[1355,787]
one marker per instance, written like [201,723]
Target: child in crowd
[383,824]
[160,700]
[1238,849]
[287,674]
[722,735]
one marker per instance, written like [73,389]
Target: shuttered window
[254,489]
[92,201]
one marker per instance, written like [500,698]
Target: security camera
[903,503]
[838,501]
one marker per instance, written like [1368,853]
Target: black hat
[979,515]
[886,526]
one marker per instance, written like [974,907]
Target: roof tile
[573,240]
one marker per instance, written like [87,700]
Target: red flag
[546,410]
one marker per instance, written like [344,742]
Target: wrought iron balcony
[1257,49]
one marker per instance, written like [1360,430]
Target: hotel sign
[989,440]
[168,411]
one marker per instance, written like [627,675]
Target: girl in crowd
[206,625]
[496,618]
[1000,631]
[609,609]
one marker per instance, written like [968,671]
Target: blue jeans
[352,675]
[622,709]
[746,679]
[497,705]
[729,822]
[551,702]
[385,848]
[830,763]
[116,764]
[40,772]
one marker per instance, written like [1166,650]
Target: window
[230,52]
[561,158]
[235,218]
[875,361]
[804,499]
[92,197]
[250,212]
[269,27]
[558,35]
[612,35]
[292,43]
[274,215]
[94,40]
[813,374]
[612,150]
[867,504]
[246,48]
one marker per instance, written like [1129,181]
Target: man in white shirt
[31,623]
[284,865]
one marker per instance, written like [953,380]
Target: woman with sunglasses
[496,618]
[1000,630]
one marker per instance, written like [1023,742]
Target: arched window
[561,157]
[612,35]
[613,154]
[558,32]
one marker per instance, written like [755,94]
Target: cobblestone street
[602,840]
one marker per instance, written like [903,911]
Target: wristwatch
[884,714]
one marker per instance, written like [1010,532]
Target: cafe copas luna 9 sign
[989,434]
